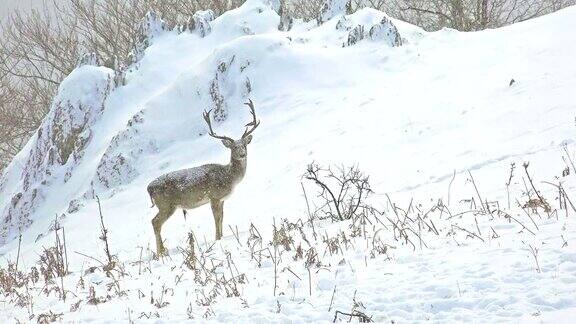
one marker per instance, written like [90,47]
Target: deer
[197,186]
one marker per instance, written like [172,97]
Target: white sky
[6,6]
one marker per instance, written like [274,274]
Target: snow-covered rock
[58,146]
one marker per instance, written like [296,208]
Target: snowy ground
[415,118]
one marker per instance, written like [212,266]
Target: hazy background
[8,5]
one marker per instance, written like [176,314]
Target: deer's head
[238,148]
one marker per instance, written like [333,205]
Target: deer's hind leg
[218,212]
[164,212]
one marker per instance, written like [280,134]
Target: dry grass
[295,250]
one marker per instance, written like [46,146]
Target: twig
[534,252]
[65,248]
[104,236]
[477,192]
[527,214]
[18,254]
[471,234]
[235,234]
[310,217]
[362,318]
[59,256]
[494,234]
[512,167]
[140,261]
[506,215]
[332,299]
[292,272]
[477,227]
[565,146]
[309,282]
[450,185]
[544,203]
[459,291]
[564,192]
[393,207]
[89,257]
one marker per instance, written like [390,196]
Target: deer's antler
[251,126]
[206,115]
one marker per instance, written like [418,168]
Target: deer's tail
[151,199]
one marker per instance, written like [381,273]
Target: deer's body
[194,187]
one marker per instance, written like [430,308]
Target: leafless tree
[21,112]
[464,15]
[306,10]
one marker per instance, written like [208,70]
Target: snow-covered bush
[355,35]
[199,23]
[386,31]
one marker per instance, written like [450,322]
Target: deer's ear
[228,143]
[247,139]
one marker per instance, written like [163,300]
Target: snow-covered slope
[159,111]
[415,110]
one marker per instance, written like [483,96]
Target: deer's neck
[237,169]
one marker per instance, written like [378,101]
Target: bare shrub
[215,275]
[93,299]
[281,237]
[49,317]
[11,279]
[188,253]
[356,312]
[51,264]
[254,243]
[340,193]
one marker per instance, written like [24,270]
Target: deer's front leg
[218,212]
[221,219]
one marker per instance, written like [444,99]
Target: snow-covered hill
[415,110]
